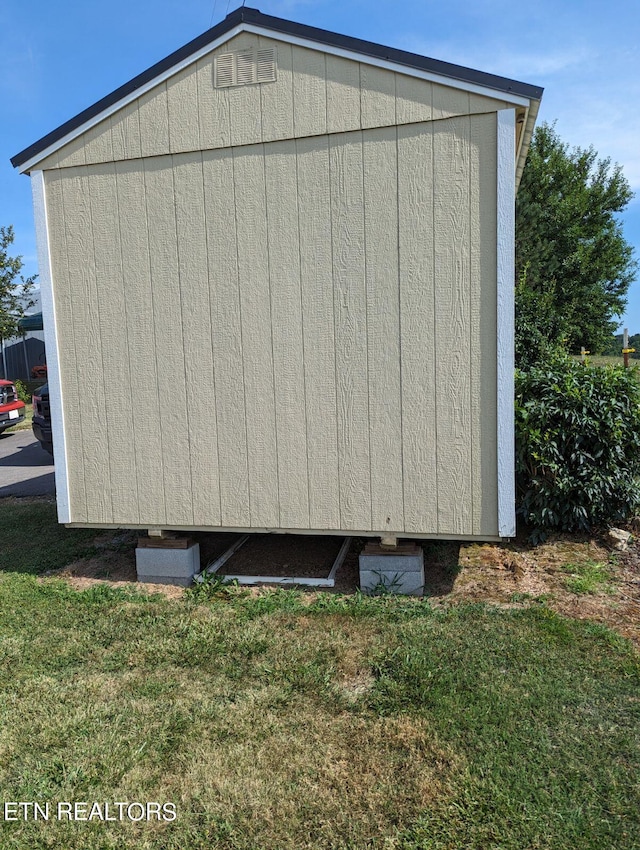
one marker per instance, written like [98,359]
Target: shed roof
[252,20]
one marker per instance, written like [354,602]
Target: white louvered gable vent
[246,67]
[224,70]
[266,64]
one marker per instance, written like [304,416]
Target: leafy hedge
[577,444]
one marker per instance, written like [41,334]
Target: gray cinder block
[401,573]
[168,566]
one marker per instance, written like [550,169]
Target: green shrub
[23,392]
[577,444]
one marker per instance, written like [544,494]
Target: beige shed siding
[146,437]
[83,294]
[110,309]
[125,133]
[175,463]
[314,94]
[309,326]
[318,330]
[380,155]
[195,300]
[350,319]
[68,365]
[283,236]
[452,322]
[417,310]
[226,407]
[256,330]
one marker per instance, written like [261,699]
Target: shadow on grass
[441,566]
[32,541]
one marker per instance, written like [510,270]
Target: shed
[277,280]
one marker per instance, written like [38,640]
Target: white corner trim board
[51,343]
[506,190]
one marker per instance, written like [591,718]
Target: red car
[11,408]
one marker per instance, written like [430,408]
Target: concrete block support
[399,570]
[168,565]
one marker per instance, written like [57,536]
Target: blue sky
[58,58]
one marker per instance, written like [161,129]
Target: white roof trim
[321,47]
[428,76]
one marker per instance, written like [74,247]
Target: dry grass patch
[578,576]
[308,778]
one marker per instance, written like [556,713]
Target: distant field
[608,360]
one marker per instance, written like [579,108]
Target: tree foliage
[573,265]
[14,288]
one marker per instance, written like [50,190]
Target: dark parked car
[42,418]
[11,408]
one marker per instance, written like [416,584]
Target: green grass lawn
[287,721]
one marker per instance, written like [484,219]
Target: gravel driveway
[25,468]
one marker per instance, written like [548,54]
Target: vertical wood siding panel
[451,227]
[115,365]
[347,214]
[182,99]
[245,115]
[383,327]
[244,101]
[448,102]
[478,104]
[154,122]
[92,387]
[213,108]
[417,308]
[318,330]
[50,162]
[169,339]
[309,92]
[343,94]
[276,99]
[198,336]
[483,328]
[475,331]
[125,132]
[72,154]
[97,143]
[414,99]
[286,317]
[67,361]
[257,345]
[141,341]
[378,96]
[229,412]
[484,135]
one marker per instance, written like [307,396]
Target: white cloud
[598,113]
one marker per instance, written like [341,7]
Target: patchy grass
[275,721]
[589,577]
[574,575]
[279,720]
